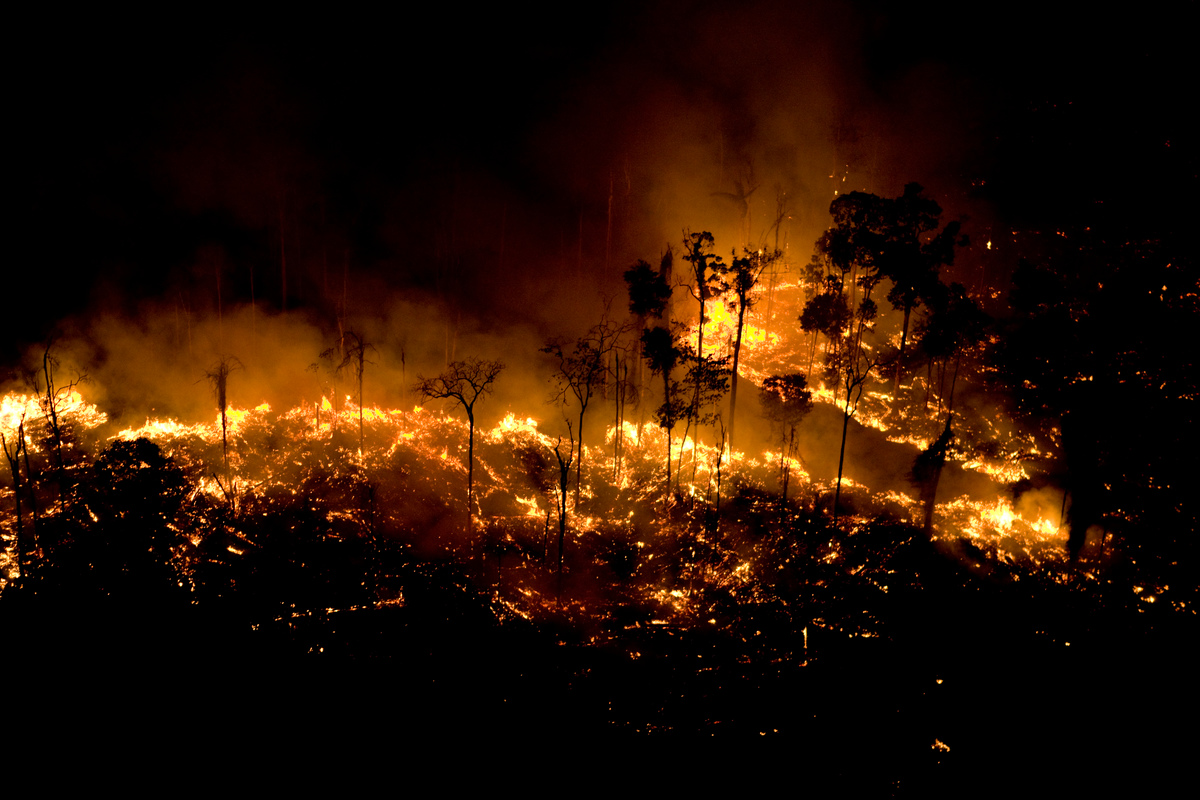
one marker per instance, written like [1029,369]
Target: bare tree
[218,379]
[465,381]
[50,402]
[581,367]
[354,356]
[564,477]
[52,397]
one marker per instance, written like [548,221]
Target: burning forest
[695,416]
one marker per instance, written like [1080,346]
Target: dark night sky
[141,142]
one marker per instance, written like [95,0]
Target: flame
[997,520]
[998,471]
[14,409]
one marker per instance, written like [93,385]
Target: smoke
[258,195]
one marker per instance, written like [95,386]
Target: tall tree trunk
[579,457]
[668,429]
[470,465]
[618,427]
[812,353]
[953,383]
[837,494]
[733,383]
[52,414]
[928,472]
[900,355]
[564,478]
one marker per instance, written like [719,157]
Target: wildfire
[998,524]
[514,426]
[1004,472]
[724,330]
[16,408]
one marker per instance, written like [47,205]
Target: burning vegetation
[609,381]
[881,501]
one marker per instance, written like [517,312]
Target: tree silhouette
[956,324]
[742,277]
[911,258]
[564,477]
[663,355]
[218,379]
[354,356]
[580,368]
[927,472]
[708,282]
[649,299]
[852,253]
[52,396]
[649,291]
[466,382]
[706,382]
[853,370]
[785,401]
[825,314]
[1091,337]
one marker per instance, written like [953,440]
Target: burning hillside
[624,558]
[350,388]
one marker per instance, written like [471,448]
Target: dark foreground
[974,682]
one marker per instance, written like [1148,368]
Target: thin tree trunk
[900,355]
[470,464]
[841,458]
[618,430]
[579,463]
[52,415]
[953,383]
[812,353]
[941,392]
[733,385]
